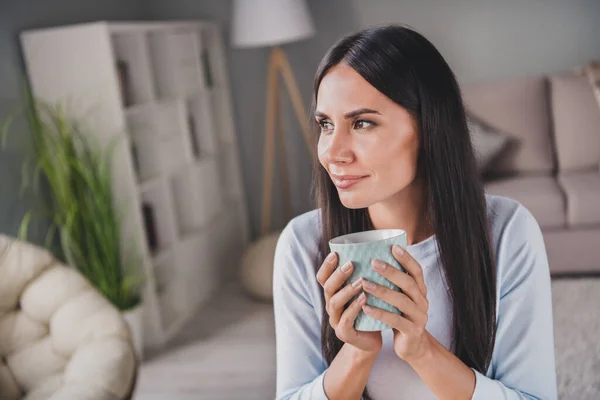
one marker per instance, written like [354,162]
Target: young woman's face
[364,134]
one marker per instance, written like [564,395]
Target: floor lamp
[272,23]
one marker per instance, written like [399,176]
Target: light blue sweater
[522,366]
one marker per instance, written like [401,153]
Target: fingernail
[362,297]
[357,282]
[368,309]
[398,250]
[346,267]
[330,257]
[378,265]
[369,285]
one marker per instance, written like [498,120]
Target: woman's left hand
[411,340]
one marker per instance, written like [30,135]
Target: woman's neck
[406,211]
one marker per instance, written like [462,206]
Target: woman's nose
[339,150]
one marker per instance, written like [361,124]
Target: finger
[346,324]
[337,279]
[401,279]
[399,300]
[394,320]
[338,301]
[411,265]
[327,268]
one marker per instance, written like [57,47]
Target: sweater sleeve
[523,364]
[299,363]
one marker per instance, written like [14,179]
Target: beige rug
[576,308]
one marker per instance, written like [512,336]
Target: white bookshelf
[162,89]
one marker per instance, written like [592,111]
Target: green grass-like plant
[81,211]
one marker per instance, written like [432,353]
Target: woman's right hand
[342,320]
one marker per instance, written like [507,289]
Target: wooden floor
[233,357]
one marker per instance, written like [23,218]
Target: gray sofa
[552,162]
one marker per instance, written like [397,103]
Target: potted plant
[83,219]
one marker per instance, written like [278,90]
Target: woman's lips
[344,182]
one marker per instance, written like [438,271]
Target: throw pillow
[487,143]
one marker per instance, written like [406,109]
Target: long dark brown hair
[407,68]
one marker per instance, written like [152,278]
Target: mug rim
[393,234]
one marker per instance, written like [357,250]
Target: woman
[394,152]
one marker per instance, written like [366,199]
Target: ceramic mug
[360,248]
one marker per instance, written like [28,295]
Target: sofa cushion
[62,283]
[17,331]
[583,197]
[59,337]
[576,115]
[9,388]
[115,366]
[573,251]
[540,194]
[47,388]
[518,108]
[35,363]
[21,262]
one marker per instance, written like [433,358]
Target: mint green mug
[360,248]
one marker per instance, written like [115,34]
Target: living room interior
[212,162]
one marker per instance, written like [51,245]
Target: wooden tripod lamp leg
[278,63]
[290,82]
[269,143]
[283,172]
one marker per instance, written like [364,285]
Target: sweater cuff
[318,392]
[485,388]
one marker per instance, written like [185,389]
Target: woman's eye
[325,125]
[363,124]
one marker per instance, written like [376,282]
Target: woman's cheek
[374,155]
[321,150]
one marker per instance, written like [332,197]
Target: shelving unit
[162,89]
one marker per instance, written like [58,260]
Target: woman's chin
[353,201]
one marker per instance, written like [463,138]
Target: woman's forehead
[343,90]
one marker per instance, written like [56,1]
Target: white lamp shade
[259,23]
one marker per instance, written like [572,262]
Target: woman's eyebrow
[360,111]
[350,114]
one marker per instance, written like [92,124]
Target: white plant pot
[134,318]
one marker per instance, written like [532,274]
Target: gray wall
[496,39]
[15,16]
[483,40]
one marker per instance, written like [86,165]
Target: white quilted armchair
[60,339]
